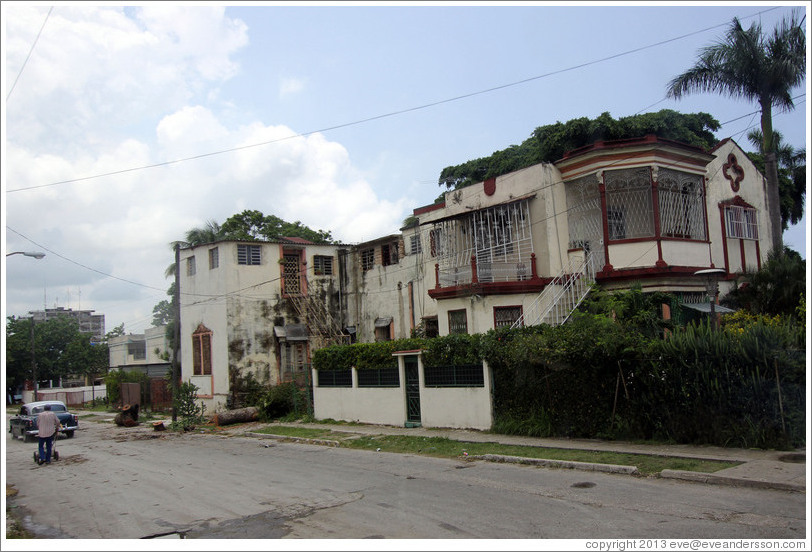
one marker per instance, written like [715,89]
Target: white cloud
[290,86]
[109,90]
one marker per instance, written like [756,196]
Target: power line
[385,115]
[29,53]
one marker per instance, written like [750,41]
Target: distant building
[148,352]
[88,322]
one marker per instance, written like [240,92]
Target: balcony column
[474,277]
[607,267]
[655,198]
[437,275]
[533,271]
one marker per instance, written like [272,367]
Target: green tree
[549,143]
[777,288]
[253,225]
[754,66]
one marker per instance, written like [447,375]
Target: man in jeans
[47,426]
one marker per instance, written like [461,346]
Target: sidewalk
[766,469]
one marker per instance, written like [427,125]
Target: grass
[14,529]
[442,447]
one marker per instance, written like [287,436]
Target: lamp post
[712,286]
[37,255]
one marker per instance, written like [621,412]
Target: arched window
[201,351]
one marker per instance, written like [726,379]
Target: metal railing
[561,296]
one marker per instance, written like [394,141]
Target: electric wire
[30,51]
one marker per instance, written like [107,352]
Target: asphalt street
[114,482]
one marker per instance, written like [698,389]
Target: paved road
[115,482]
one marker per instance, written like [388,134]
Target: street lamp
[35,254]
[712,285]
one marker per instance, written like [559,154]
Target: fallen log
[128,417]
[240,415]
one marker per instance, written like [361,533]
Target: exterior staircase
[559,299]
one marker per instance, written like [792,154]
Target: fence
[74,396]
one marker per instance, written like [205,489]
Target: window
[367,259]
[436,242]
[682,204]
[389,254]
[214,258]
[191,266]
[506,316]
[457,322]
[291,273]
[432,326]
[137,350]
[248,254]
[383,329]
[201,351]
[630,204]
[415,246]
[616,223]
[322,265]
[742,222]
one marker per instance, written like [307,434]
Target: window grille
[335,378]
[585,217]
[506,316]
[741,222]
[471,375]
[367,259]
[294,360]
[498,237]
[322,265]
[191,266]
[682,204]
[291,274]
[382,377]
[629,192]
[248,254]
[457,322]
[214,258]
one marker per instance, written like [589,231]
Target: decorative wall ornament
[733,172]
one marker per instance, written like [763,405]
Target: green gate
[412,392]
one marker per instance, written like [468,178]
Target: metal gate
[412,392]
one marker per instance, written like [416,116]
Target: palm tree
[209,233]
[748,64]
[791,175]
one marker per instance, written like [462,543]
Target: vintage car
[24,424]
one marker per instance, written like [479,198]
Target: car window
[36,410]
[58,408]
[24,411]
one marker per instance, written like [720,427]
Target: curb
[712,479]
[568,464]
[325,442]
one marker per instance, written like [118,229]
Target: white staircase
[559,299]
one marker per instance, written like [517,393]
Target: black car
[24,424]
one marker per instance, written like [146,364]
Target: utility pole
[33,359]
[175,367]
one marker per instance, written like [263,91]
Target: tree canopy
[549,143]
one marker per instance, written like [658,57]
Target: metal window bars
[682,204]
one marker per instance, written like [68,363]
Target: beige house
[148,352]
[522,248]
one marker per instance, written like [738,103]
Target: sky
[124,127]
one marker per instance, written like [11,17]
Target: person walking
[47,426]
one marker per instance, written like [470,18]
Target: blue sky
[111,88]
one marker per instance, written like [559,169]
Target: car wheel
[69,434]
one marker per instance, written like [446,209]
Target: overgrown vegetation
[549,143]
[114,379]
